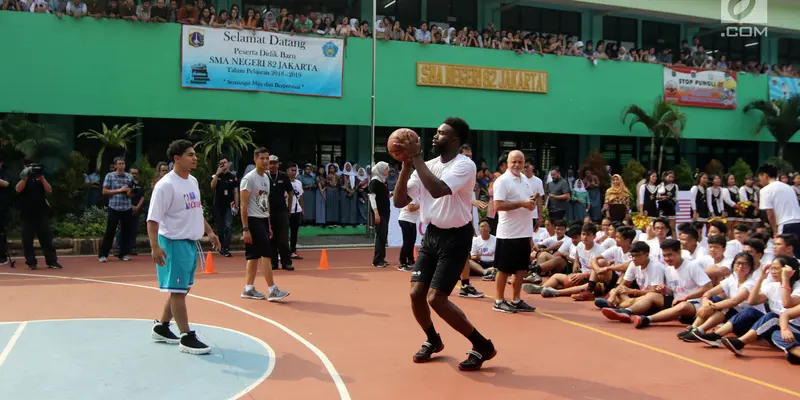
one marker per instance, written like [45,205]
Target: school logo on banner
[330,49]
[196,37]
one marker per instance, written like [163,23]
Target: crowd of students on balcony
[202,12]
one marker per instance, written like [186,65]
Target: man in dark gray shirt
[559,194]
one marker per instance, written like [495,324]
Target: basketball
[393,144]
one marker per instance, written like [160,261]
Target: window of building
[408,12]
[661,35]
[618,151]
[541,20]
[547,150]
[735,48]
[789,51]
[620,29]
[457,13]
[708,150]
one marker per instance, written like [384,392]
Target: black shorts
[442,257]
[259,231]
[485,264]
[668,299]
[513,255]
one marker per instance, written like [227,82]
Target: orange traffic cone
[416,252]
[323,260]
[209,269]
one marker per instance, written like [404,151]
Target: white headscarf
[451,34]
[351,174]
[379,170]
[580,189]
[362,174]
[327,168]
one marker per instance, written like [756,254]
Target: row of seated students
[730,288]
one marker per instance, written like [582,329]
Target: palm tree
[21,138]
[664,123]
[115,138]
[782,119]
[216,140]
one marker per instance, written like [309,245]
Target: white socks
[248,287]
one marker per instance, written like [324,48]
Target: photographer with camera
[117,186]
[5,202]
[35,213]
[226,203]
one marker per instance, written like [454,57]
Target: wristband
[786,330]
[787,287]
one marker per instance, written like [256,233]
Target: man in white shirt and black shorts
[254,193]
[444,186]
[174,225]
[514,200]
[780,202]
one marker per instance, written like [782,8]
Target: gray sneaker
[533,278]
[549,292]
[531,288]
[253,294]
[277,294]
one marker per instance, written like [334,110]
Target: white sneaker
[253,294]
[102,259]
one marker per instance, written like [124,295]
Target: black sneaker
[475,359]
[691,337]
[225,253]
[382,264]
[288,267]
[405,268]
[640,322]
[617,314]
[162,333]
[294,256]
[734,345]
[54,265]
[522,306]
[792,359]
[32,267]
[470,292]
[190,344]
[504,307]
[711,339]
[686,332]
[427,350]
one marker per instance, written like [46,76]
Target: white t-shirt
[707,261]
[732,248]
[655,249]
[641,237]
[780,198]
[686,279]
[451,211]
[298,192]
[551,240]
[514,224]
[540,236]
[608,243]
[175,205]
[409,216]
[538,188]
[584,257]
[258,187]
[646,278]
[615,256]
[774,293]
[485,247]
[731,288]
[699,252]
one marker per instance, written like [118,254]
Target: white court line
[267,373]
[12,342]
[337,379]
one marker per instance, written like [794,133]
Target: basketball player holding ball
[444,187]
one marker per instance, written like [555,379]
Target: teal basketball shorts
[177,275]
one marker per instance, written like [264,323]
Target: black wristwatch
[245,229]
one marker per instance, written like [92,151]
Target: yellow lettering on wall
[487,78]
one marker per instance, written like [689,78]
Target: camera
[36,169]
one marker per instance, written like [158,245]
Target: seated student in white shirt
[577,280]
[736,246]
[788,338]
[685,282]
[611,235]
[607,267]
[691,249]
[559,261]
[715,264]
[643,275]
[782,293]
[551,256]
[601,233]
[724,300]
[541,234]
[481,257]
[715,228]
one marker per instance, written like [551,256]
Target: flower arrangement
[640,221]
[741,207]
[720,219]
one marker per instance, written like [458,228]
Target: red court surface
[348,332]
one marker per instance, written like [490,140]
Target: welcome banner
[695,87]
[231,59]
[781,88]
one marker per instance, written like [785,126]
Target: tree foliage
[781,119]
[666,122]
[739,169]
[683,175]
[218,140]
[596,162]
[117,137]
[20,138]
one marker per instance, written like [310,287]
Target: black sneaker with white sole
[522,306]
[734,345]
[470,292]
[162,334]
[190,344]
